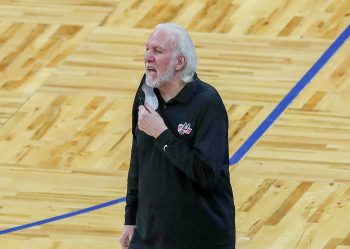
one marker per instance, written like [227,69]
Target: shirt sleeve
[132,189]
[208,156]
[133,175]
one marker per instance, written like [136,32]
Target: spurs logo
[184,129]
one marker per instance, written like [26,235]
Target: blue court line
[64,216]
[262,128]
[246,145]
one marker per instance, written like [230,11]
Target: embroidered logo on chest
[184,128]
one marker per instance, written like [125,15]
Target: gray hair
[183,46]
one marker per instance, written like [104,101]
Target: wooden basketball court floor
[68,73]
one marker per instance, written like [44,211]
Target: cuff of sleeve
[130,214]
[130,220]
[164,139]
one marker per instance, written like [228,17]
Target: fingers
[149,108]
[142,116]
[142,112]
[131,234]
[124,242]
[142,108]
[126,236]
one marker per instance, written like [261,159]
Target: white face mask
[150,97]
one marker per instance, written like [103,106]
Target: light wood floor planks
[68,73]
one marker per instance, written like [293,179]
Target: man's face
[159,62]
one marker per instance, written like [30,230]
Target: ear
[180,63]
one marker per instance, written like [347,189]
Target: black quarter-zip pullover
[179,194]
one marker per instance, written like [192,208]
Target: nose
[148,56]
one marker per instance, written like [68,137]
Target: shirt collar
[186,93]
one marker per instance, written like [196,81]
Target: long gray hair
[183,46]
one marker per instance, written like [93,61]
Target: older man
[179,194]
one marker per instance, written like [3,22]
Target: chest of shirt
[182,120]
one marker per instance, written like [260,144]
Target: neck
[170,89]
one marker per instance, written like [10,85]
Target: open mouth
[151,70]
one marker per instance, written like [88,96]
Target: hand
[126,236]
[150,121]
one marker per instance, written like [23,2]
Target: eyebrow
[155,47]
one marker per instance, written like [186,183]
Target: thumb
[149,108]
[131,234]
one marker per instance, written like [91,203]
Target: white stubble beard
[161,78]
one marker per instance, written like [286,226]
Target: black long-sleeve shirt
[179,193]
